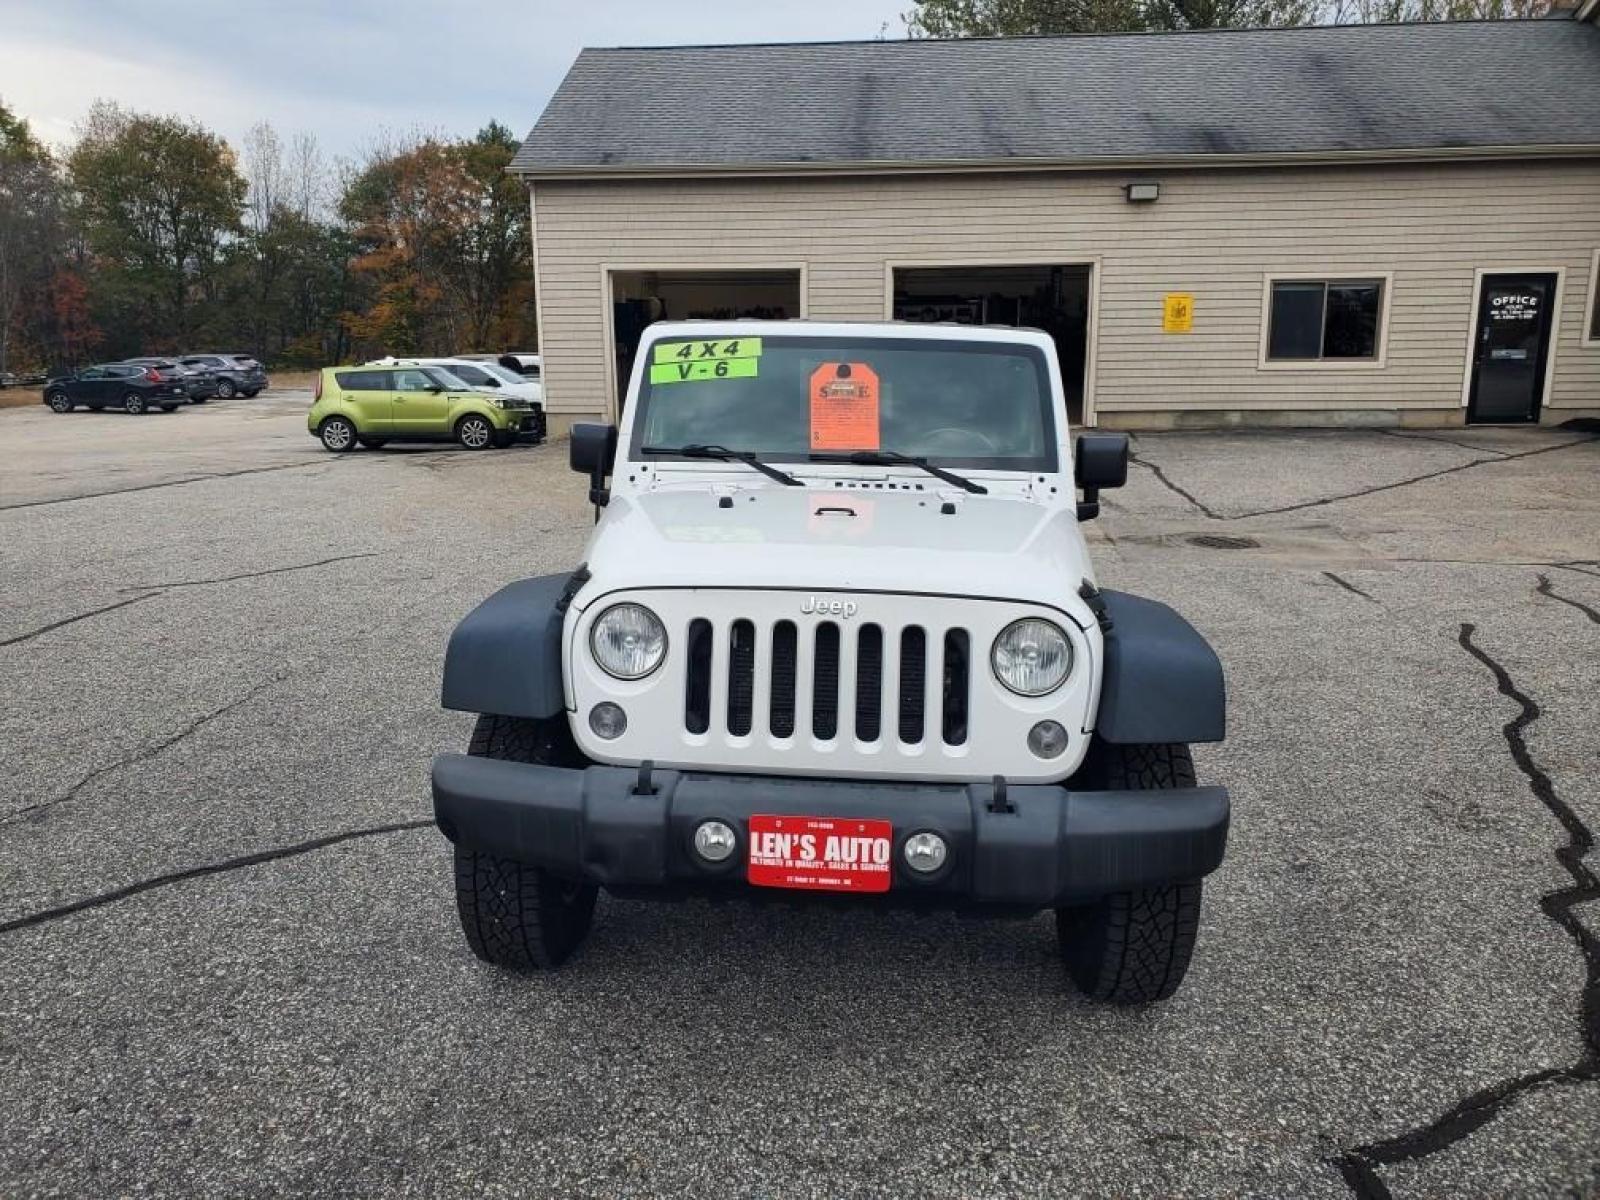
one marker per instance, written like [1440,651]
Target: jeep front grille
[833,658]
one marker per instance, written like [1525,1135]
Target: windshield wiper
[887,458]
[723,454]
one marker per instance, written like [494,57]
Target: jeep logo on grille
[843,609]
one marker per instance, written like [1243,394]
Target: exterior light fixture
[1143,193]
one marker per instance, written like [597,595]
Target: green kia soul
[373,405]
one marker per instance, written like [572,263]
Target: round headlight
[1031,657]
[628,641]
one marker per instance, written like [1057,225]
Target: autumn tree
[160,199]
[1012,18]
[30,235]
[444,246]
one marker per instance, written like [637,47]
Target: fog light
[714,841]
[1047,739]
[608,721]
[925,852]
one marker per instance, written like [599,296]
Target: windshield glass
[449,379]
[958,403]
[503,375]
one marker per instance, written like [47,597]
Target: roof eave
[1589,10]
[1103,163]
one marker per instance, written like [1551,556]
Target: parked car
[850,556]
[237,374]
[200,385]
[487,377]
[375,405]
[529,366]
[134,389]
[7,379]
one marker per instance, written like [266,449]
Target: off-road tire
[1133,947]
[60,402]
[134,404]
[475,432]
[225,389]
[340,440]
[513,914]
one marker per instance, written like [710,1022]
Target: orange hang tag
[844,407]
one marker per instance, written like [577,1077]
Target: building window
[1592,336]
[1315,320]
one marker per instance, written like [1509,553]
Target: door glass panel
[1510,347]
[1296,327]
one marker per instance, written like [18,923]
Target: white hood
[824,539]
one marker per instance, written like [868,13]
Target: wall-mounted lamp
[1143,193]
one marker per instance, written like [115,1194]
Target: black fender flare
[505,655]
[1163,682]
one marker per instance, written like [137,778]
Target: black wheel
[374,443]
[133,404]
[516,915]
[225,389]
[59,402]
[1133,947]
[169,408]
[475,432]
[338,434]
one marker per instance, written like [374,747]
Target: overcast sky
[344,69]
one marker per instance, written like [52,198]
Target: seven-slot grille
[828,680]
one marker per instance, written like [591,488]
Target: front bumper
[1041,846]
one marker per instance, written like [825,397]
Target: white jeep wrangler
[837,633]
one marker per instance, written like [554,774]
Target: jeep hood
[822,539]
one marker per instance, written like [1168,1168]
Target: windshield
[959,403]
[450,380]
[503,375]
[471,373]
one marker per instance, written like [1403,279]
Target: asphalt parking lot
[229,957]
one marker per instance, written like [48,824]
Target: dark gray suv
[237,374]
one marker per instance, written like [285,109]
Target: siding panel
[1214,233]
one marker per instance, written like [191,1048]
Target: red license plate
[824,854]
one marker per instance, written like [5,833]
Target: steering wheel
[968,442]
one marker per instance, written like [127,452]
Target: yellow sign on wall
[1177,314]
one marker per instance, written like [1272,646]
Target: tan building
[1374,224]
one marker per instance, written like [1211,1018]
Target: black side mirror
[593,452]
[1100,461]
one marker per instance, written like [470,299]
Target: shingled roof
[1529,86]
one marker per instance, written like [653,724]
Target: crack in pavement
[1501,457]
[1359,1166]
[216,868]
[1433,437]
[1389,487]
[150,487]
[1576,565]
[1350,587]
[1162,476]
[94,612]
[183,583]
[152,590]
[1545,589]
[140,756]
